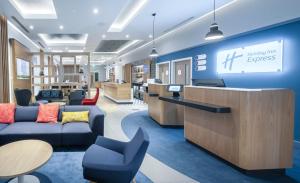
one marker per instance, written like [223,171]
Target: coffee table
[23,157]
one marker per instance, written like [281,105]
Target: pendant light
[153,53]
[214,32]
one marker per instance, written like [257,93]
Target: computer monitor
[175,88]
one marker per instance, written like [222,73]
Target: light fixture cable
[153,33]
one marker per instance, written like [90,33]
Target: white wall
[119,72]
[239,17]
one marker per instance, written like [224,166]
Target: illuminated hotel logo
[266,57]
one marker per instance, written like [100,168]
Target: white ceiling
[77,17]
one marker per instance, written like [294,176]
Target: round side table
[23,157]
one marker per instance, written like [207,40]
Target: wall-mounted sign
[201,62]
[201,67]
[266,57]
[179,72]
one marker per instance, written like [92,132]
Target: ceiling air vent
[20,24]
[179,24]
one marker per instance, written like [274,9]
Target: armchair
[92,101]
[113,161]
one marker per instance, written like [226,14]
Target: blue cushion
[49,132]
[2,126]
[26,113]
[77,133]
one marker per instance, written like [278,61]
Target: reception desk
[164,113]
[255,134]
[119,93]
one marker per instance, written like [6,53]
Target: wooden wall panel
[20,51]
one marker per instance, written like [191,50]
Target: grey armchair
[111,161]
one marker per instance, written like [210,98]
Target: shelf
[197,105]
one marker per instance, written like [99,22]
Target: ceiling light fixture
[150,36]
[127,36]
[75,51]
[180,28]
[214,32]
[31,27]
[103,36]
[41,9]
[153,53]
[126,15]
[95,10]
[64,39]
[61,27]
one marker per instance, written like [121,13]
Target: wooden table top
[23,157]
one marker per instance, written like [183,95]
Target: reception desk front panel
[256,134]
[119,93]
[164,113]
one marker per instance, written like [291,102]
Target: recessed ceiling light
[150,36]
[127,36]
[95,10]
[31,27]
[57,51]
[75,51]
[33,9]
[64,39]
[66,48]
[126,15]
[103,36]
[61,27]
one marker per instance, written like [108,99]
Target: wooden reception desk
[119,93]
[164,113]
[256,134]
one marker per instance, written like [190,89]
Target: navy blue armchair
[111,161]
[76,97]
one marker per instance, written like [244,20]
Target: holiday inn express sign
[266,57]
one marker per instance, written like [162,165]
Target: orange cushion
[47,113]
[7,113]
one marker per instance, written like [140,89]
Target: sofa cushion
[2,126]
[46,93]
[28,113]
[79,116]
[48,113]
[78,133]
[49,132]
[97,157]
[7,113]
[55,93]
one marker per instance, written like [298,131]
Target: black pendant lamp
[153,53]
[214,32]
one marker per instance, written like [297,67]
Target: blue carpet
[65,167]
[169,146]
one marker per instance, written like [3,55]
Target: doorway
[182,71]
[163,72]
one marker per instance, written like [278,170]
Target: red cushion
[48,113]
[7,113]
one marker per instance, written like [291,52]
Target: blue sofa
[69,134]
[50,95]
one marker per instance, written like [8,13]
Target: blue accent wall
[289,78]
